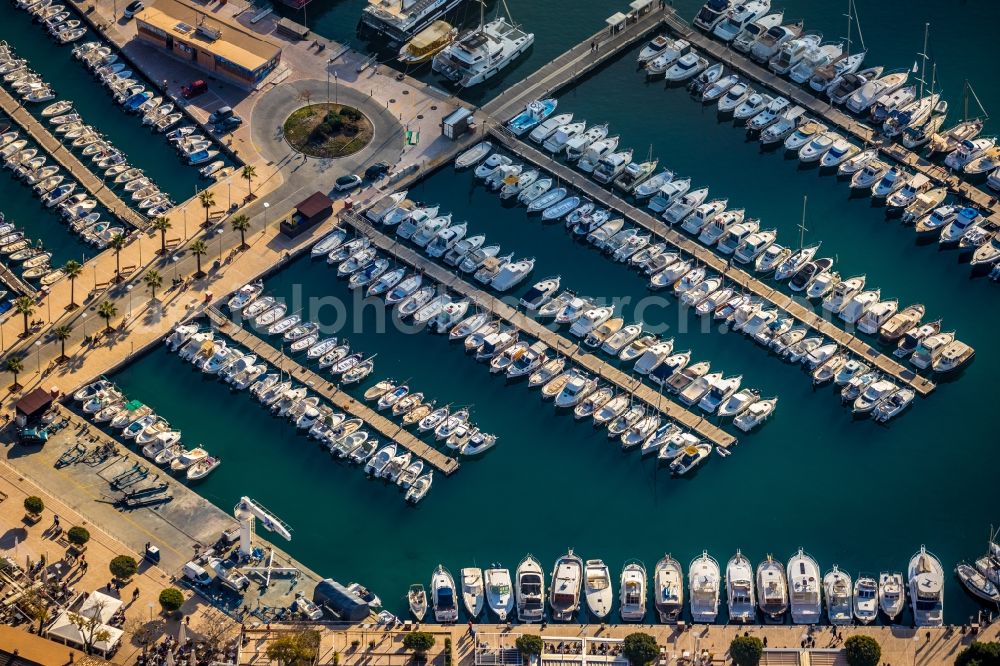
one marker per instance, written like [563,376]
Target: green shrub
[171,599]
[862,651]
[746,650]
[640,649]
[529,644]
[979,654]
[419,641]
[78,535]
[448,658]
[123,567]
[34,505]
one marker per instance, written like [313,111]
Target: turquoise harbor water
[851,492]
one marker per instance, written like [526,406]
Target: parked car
[220,114]
[348,182]
[376,171]
[228,124]
[194,89]
[133,8]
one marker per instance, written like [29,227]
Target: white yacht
[791,52]
[863,98]
[668,589]
[482,53]
[472,591]
[767,45]
[772,589]
[926,577]
[739,17]
[443,596]
[597,588]
[567,579]
[632,592]
[703,582]
[891,594]
[865,599]
[740,589]
[813,59]
[499,592]
[839,596]
[530,591]
[711,14]
[745,40]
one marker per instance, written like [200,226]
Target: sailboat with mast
[484,51]
[967,130]
[825,76]
[911,117]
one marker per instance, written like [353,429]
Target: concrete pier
[561,345]
[388,429]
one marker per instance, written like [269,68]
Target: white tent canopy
[639,5]
[64,631]
[615,19]
[98,603]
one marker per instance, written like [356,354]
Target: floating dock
[739,63]
[337,398]
[706,257]
[572,350]
[69,162]
[16,282]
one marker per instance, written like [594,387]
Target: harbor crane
[247,512]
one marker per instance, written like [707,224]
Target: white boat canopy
[616,19]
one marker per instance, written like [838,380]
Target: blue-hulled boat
[533,114]
[136,100]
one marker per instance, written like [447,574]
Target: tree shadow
[12,537]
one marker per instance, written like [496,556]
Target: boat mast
[802,224]
[850,5]
[923,55]
[861,38]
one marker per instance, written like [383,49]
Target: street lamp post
[38,356]
[266,206]
[129,290]
[84,318]
[221,229]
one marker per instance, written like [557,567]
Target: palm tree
[162,224]
[207,200]
[25,306]
[62,333]
[72,269]
[248,173]
[199,248]
[106,311]
[241,223]
[153,280]
[15,366]
[117,244]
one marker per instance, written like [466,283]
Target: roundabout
[283,131]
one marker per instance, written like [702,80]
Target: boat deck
[705,256]
[572,350]
[69,162]
[322,386]
[822,108]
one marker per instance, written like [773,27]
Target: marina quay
[390,332]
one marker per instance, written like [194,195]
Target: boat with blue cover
[533,114]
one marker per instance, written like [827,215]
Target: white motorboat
[755,414]
[443,596]
[772,589]
[530,591]
[813,59]
[926,580]
[597,588]
[753,31]
[754,104]
[472,591]
[703,584]
[499,592]
[632,592]
[668,582]
[739,17]
[712,13]
[483,52]
[687,66]
[549,126]
[792,52]
[804,584]
[737,94]
[869,175]
[567,580]
[678,210]
[767,45]
[740,589]
[839,596]
[512,273]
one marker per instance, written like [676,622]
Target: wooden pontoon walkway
[15,282]
[572,350]
[342,401]
[573,64]
[831,114]
[69,162]
[704,256]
